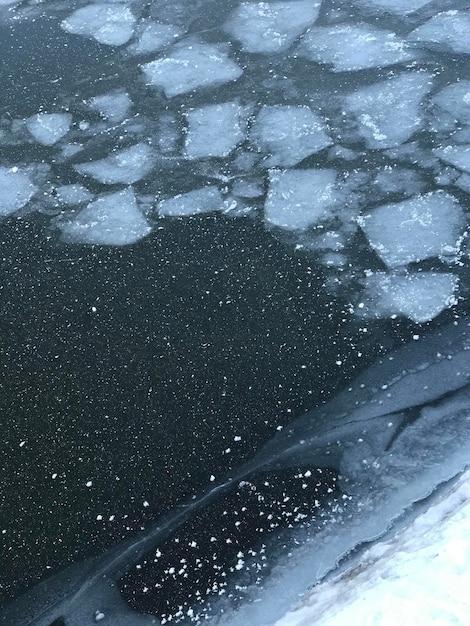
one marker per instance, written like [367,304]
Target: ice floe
[458,156]
[447,31]
[49,128]
[112,106]
[16,189]
[110,24]
[203,200]
[455,100]
[397,7]
[123,166]
[213,130]
[73,194]
[153,36]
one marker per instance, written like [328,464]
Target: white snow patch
[445,31]
[124,166]
[112,220]
[203,200]
[110,24]
[49,128]
[16,189]
[191,67]
[348,48]
[213,130]
[271,27]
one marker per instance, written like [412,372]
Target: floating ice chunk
[388,112]
[420,297]
[348,48]
[112,220]
[298,199]
[213,131]
[48,128]
[124,166]
[191,67]
[73,194]
[397,7]
[273,26]
[422,227]
[153,36]
[16,189]
[399,180]
[289,133]
[110,24]
[203,200]
[455,99]
[445,31]
[112,106]
[458,156]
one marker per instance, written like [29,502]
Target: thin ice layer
[49,128]
[213,130]
[191,67]
[203,200]
[447,31]
[348,48]
[112,220]
[16,189]
[271,27]
[289,134]
[298,199]
[124,166]
[422,227]
[110,24]
[389,112]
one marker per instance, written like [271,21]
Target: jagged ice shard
[234,314]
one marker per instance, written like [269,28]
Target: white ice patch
[73,194]
[388,112]
[153,36]
[110,24]
[458,156]
[273,26]
[348,48]
[455,99]
[16,189]
[191,67]
[448,31]
[112,106]
[112,220]
[422,227]
[398,7]
[213,130]
[289,134]
[124,166]
[419,296]
[298,199]
[49,128]
[203,200]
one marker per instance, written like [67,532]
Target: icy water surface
[214,216]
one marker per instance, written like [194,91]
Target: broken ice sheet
[110,24]
[425,226]
[49,128]
[447,31]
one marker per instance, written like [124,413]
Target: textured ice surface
[347,47]
[458,156]
[388,112]
[49,128]
[289,134]
[455,99]
[447,31]
[213,131]
[420,297]
[73,194]
[426,226]
[124,166]
[110,24]
[298,199]
[153,36]
[271,26]
[113,220]
[197,201]
[112,106]
[398,7]
[191,67]
[16,189]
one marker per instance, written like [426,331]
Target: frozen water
[73,194]
[289,134]
[191,67]
[112,106]
[298,199]
[418,296]
[16,189]
[458,156]
[422,227]
[347,47]
[398,7]
[111,220]
[124,166]
[49,128]
[447,31]
[455,99]
[203,200]
[271,26]
[153,36]
[388,112]
[110,24]
[213,131]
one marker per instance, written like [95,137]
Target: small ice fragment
[110,24]
[123,166]
[153,36]
[16,189]
[289,134]
[112,219]
[203,200]
[447,31]
[271,27]
[73,194]
[213,130]
[112,106]
[298,199]
[48,128]
[191,67]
